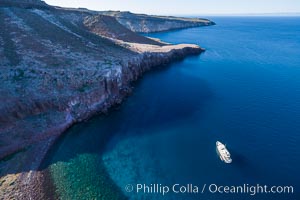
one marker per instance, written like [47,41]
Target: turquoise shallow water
[244,91]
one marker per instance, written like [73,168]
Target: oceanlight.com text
[250,189]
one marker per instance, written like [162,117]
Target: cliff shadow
[162,98]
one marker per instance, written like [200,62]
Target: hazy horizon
[189,7]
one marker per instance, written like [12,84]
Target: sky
[186,7]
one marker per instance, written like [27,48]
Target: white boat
[223,152]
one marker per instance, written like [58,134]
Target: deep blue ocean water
[244,91]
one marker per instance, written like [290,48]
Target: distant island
[60,66]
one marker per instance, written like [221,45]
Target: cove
[244,91]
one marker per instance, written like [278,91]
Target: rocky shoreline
[63,66]
[29,182]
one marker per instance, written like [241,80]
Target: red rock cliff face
[111,90]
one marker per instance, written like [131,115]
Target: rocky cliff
[150,23]
[59,67]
